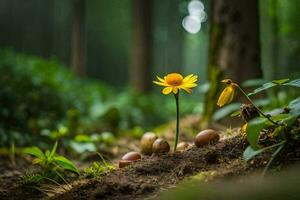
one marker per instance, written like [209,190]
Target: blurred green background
[76,67]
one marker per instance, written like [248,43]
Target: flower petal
[187,77]
[160,83]
[175,90]
[160,79]
[226,96]
[188,90]
[192,80]
[189,85]
[167,90]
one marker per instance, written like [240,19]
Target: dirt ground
[150,176]
[153,174]
[146,178]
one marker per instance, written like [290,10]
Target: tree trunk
[140,73]
[270,42]
[234,50]
[78,38]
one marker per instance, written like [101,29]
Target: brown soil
[146,178]
[149,177]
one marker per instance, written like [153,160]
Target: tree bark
[78,38]
[140,73]
[234,50]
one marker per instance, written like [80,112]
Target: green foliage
[253,130]
[226,110]
[283,82]
[88,143]
[42,99]
[249,153]
[286,120]
[233,109]
[253,83]
[31,178]
[282,128]
[270,102]
[279,122]
[36,95]
[94,170]
[98,169]
[50,161]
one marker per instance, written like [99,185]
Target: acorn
[160,146]
[147,142]
[206,137]
[182,146]
[129,158]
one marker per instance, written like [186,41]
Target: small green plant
[98,169]
[32,178]
[49,161]
[279,125]
[44,182]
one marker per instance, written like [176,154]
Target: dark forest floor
[149,177]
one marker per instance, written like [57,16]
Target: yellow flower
[174,82]
[228,93]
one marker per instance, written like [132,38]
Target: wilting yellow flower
[174,82]
[243,129]
[228,93]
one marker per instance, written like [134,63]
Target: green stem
[272,158]
[177,120]
[260,111]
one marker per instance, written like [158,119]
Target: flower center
[174,79]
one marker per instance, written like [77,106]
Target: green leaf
[253,83]
[294,112]
[236,113]
[53,150]
[80,147]
[256,125]
[65,164]
[225,111]
[290,118]
[276,152]
[36,161]
[249,153]
[83,138]
[294,107]
[262,88]
[281,81]
[34,151]
[285,82]
[295,83]
[253,130]
[47,154]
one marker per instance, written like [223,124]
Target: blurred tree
[273,12]
[269,37]
[78,38]
[288,58]
[141,57]
[234,50]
